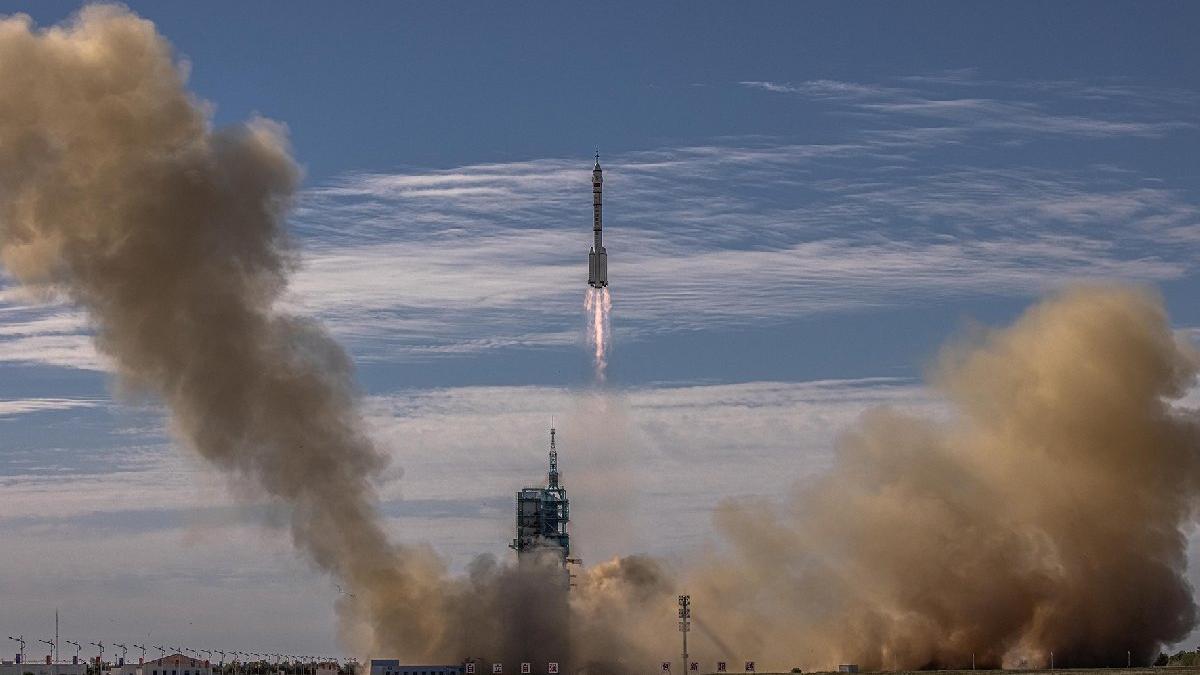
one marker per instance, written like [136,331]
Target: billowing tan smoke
[116,191]
[1044,515]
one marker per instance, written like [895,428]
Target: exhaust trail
[597,306]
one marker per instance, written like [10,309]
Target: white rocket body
[598,257]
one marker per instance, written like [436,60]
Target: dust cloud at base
[1045,515]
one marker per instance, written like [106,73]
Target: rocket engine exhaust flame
[598,304]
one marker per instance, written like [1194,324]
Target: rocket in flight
[598,257]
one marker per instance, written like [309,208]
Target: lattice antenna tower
[553,460]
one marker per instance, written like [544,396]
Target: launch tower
[542,516]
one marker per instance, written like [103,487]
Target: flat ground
[1147,670]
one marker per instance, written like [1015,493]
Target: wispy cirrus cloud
[712,235]
[15,407]
[1021,108]
[475,259]
[827,89]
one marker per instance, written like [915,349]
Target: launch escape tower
[542,516]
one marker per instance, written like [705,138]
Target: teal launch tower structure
[542,516]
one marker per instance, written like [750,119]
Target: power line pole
[685,625]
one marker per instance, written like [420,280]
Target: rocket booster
[598,257]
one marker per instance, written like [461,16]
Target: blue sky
[803,201]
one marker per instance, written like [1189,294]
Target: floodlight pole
[20,639]
[48,643]
[685,625]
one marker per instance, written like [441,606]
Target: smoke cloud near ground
[1043,516]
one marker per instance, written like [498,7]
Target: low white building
[126,669]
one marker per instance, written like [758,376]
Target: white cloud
[935,97]
[12,408]
[821,228]
[422,265]
[643,467]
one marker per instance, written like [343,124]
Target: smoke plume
[116,192]
[1043,516]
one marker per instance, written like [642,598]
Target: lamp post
[685,625]
[50,644]
[99,659]
[20,639]
[77,647]
[142,659]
